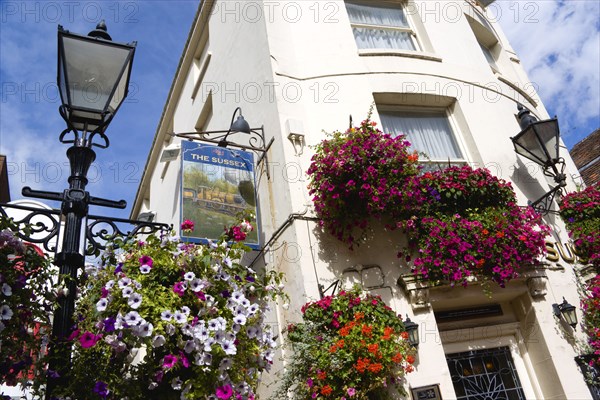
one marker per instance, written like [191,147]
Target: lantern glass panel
[548,133]
[527,145]
[92,71]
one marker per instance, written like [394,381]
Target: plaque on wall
[430,392]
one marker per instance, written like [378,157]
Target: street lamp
[566,311]
[93,76]
[539,142]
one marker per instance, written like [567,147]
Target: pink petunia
[224,392]
[169,361]
[88,339]
[146,260]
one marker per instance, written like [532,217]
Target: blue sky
[557,41]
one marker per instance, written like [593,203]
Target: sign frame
[216,183]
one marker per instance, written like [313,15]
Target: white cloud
[559,45]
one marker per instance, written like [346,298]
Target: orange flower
[397,358]
[333,349]
[345,331]
[480,263]
[373,348]
[367,330]
[387,333]
[500,234]
[485,231]
[413,157]
[361,365]
[410,359]
[326,390]
[358,316]
[375,368]
[321,375]
[409,368]
[340,343]
[404,335]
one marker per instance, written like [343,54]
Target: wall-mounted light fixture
[567,311]
[539,141]
[256,139]
[412,329]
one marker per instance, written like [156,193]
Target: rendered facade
[439,70]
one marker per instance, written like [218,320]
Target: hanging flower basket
[356,176]
[590,305]
[349,346]
[467,224]
[170,320]
[581,213]
[26,302]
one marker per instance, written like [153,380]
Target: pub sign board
[217,184]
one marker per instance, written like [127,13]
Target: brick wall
[586,155]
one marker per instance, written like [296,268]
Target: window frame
[454,128]
[400,5]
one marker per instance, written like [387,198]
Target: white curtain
[429,133]
[370,38]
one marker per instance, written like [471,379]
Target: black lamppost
[539,142]
[93,78]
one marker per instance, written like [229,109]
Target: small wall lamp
[567,311]
[412,329]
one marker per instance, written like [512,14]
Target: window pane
[377,15]
[382,39]
[428,132]
[488,55]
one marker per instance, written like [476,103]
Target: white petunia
[101,305]
[158,341]
[240,319]
[145,269]
[127,291]
[135,300]
[229,347]
[6,289]
[170,329]
[166,315]
[186,310]
[124,282]
[238,296]
[5,312]
[133,318]
[189,276]
[190,346]
[109,285]
[143,330]
[197,284]
[252,332]
[180,317]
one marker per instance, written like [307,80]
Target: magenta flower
[179,288]
[351,391]
[146,260]
[187,225]
[169,361]
[88,339]
[224,392]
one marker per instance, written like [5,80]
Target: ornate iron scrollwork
[44,224]
[44,228]
[101,230]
